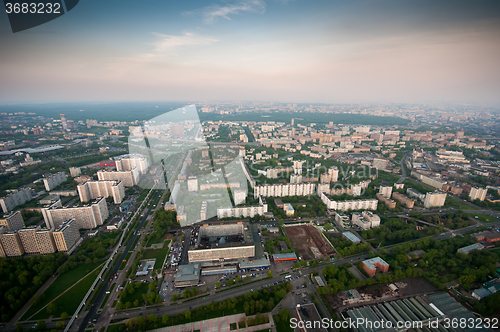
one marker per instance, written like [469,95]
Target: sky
[292,51]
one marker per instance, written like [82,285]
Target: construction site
[309,242]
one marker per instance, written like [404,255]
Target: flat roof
[351,237]
[376,260]
[285,256]
[253,263]
[467,249]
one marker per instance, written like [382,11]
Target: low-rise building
[370,266]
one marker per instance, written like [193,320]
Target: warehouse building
[221,242]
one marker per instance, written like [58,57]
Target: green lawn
[143,289]
[282,327]
[452,202]
[62,283]
[155,241]
[482,217]
[159,254]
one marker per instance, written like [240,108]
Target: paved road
[91,315]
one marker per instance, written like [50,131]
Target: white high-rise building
[92,189]
[54,180]
[88,216]
[283,190]
[434,199]
[127,163]
[361,204]
[385,191]
[15,198]
[129,178]
[478,193]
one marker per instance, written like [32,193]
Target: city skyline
[289,51]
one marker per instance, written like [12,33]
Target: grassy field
[482,217]
[61,284]
[155,241]
[452,202]
[143,289]
[159,254]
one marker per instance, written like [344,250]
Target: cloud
[215,12]
[167,43]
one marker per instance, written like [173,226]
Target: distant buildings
[88,216]
[93,189]
[434,199]
[129,178]
[15,198]
[53,180]
[370,266]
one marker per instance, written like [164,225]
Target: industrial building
[422,313]
[467,249]
[351,237]
[285,257]
[187,275]
[221,242]
[93,189]
[309,318]
[370,266]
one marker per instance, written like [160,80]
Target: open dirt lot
[303,237]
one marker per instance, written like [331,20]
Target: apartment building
[53,180]
[93,189]
[13,221]
[66,235]
[28,239]
[87,216]
[283,190]
[15,198]
[45,241]
[477,193]
[404,200]
[434,199]
[11,244]
[360,204]
[389,203]
[129,178]
[128,162]
[385,191]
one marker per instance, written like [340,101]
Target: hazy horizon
[281,51]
